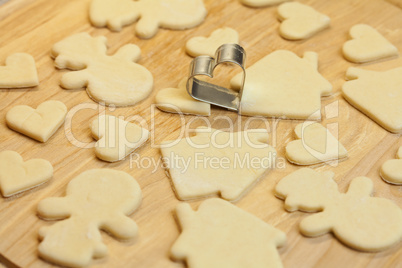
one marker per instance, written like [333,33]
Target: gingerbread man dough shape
[391,171]
[19,71]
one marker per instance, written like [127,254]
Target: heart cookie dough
[200,45]
[177,100]
[376,94]
[40,123]
[151,14]
[300,21]
[357,219]
[19,71]
[111,80]
[391,171]
[18,176]
[116,138]
[314,144]
[97,199]
[221,235]
[283,85]
[216,162]
[367,45]
[262,3]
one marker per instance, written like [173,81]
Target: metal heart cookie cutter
[205,65]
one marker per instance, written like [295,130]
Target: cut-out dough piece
[391,170]
[201,45]
[151,14]
[283,85]
[40,123]
[217,162]
[177,100]
[367,44]
[221,235]
[376,94]
[300,21]
[116,138]
[18,176]
[262,3]
[357,219]
[314,144]
[19,71]
[112,80]
[96,199]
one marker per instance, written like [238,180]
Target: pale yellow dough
[19,71]
[201,45]
[221,235]
[97,199]
[391,170]
[151,14]
[40,123]
[367,44]
[360,221]
[177,100]
[110,80]
[18,176]
[376,94]
[300,21]
[283,85]
[217,162]
[262,3]
[116,138]
[314,144]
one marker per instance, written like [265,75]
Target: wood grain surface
[33,26]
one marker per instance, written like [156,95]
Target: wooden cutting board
[33,26]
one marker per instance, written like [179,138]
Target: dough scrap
[40,123]
[283,85]
[217,162]
[314,144]
[262,3]
[19,72]
[116,138]
[201,45]
[177,100]
[112,80]
[367,44]
[300,21]
[357,219]
[151,14]
[222,235]
[17,176]
[391,170]
[97,199]
[376,94]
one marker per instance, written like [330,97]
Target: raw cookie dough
[367,44]
[151,14]
[314,144]
[360,221]
[221,235]
[300,21]
[216,162]
[283,85]
[116,138]
[19,71]
[97,199]
[112,80]
[40,123]
[261,3]
[391,171]
[177,100]
[376,94]
[18,176]
[201,45]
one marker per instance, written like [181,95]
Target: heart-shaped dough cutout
[367,44]
[314,144]
[391,171]
[201,45]
[17,176]
[300,21]
[19,71]
[116,138]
